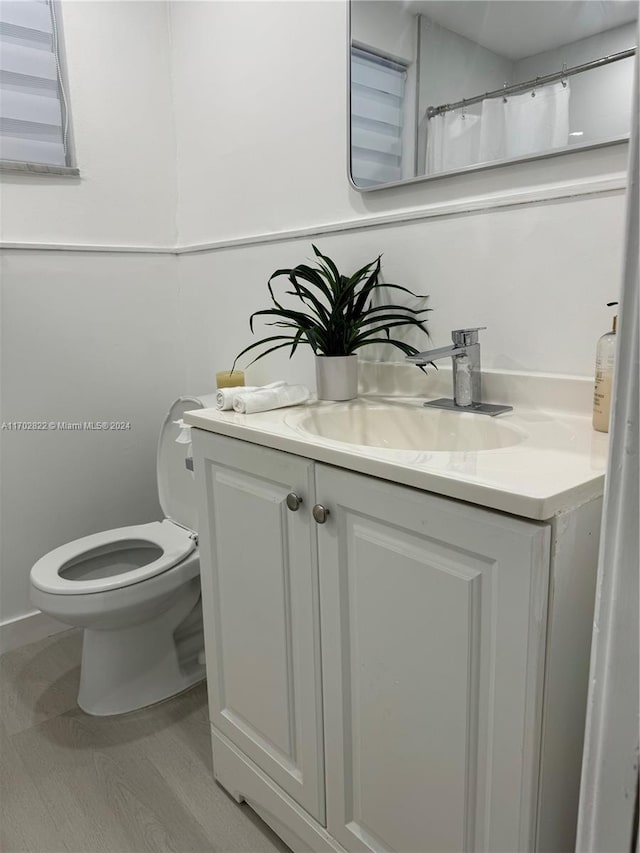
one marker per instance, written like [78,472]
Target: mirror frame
[474,167]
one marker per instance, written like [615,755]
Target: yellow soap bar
[229,378]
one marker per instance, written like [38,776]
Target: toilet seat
[175,543]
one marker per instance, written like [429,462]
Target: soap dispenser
[605,362]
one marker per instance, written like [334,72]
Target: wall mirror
[442,86]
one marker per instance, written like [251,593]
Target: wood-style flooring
[81,784]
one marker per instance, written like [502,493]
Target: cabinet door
[433,623]
[260,601]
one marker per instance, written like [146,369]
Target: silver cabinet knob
[293,501]
[320,513]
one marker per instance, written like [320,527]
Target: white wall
[539,285]
[91,336]
[118,69]
[537,275]
[257,140]
[268,153]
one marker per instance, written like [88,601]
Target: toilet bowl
[135,591]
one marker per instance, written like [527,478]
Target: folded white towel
[270,398]
[225,396]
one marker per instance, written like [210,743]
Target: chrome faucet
[467,376]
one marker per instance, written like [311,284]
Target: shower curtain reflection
[519,126]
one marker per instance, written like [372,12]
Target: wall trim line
[107,248]
[584,188]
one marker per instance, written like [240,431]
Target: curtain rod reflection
[532,84]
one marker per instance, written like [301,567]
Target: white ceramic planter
[337,377]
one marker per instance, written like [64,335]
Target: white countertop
[558,464]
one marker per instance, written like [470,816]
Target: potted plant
[337,317]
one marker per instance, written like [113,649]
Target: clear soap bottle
[603,388]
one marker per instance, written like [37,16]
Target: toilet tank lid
[176,486]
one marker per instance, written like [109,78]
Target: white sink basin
[403,427]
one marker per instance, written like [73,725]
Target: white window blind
[32,102]
[377,118]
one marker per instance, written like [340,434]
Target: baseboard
[28,629]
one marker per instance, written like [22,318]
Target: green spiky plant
[338,315]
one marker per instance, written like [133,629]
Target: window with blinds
[377,118]
[33,114]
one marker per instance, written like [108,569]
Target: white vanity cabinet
[376,681]
[433,621]
[259,573]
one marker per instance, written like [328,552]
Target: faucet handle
[466,337]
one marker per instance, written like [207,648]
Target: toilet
[135,591]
